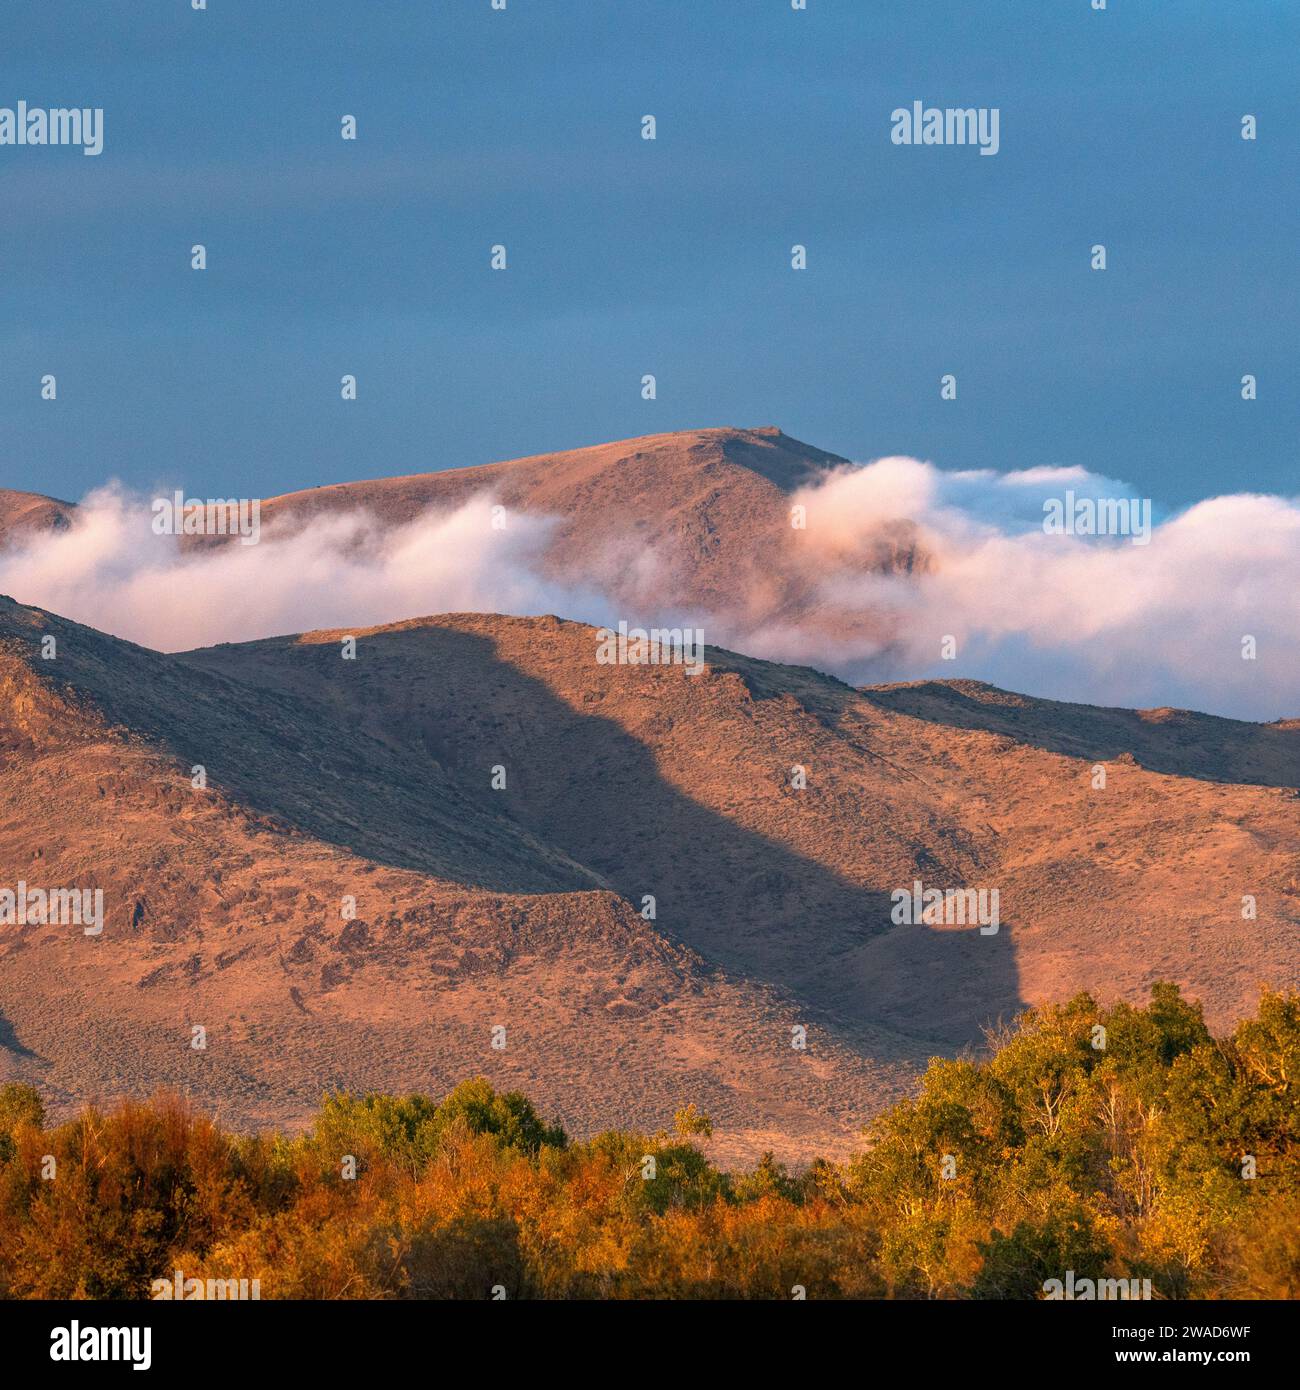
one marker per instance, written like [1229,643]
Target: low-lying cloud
[110,571]
[1100,619]
[1169,619]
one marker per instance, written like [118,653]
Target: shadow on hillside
[749,903]
[350,762]
[294,759]
[9,1042]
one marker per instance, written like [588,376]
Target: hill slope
[24,514]
[223,909]
[521,905]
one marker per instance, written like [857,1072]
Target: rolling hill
[524,906]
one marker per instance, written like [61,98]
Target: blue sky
[628,256]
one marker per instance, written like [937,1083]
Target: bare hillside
[522,906]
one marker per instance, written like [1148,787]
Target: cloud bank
[110,571]
[1097,619]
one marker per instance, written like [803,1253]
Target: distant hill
[23,514]
[696,523]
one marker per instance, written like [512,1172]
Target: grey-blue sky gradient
[628,256]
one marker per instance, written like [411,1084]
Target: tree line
[1120,1143]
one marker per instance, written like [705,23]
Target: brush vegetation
[1127,1160]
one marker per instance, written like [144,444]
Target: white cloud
[1098,620]
[112,572]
